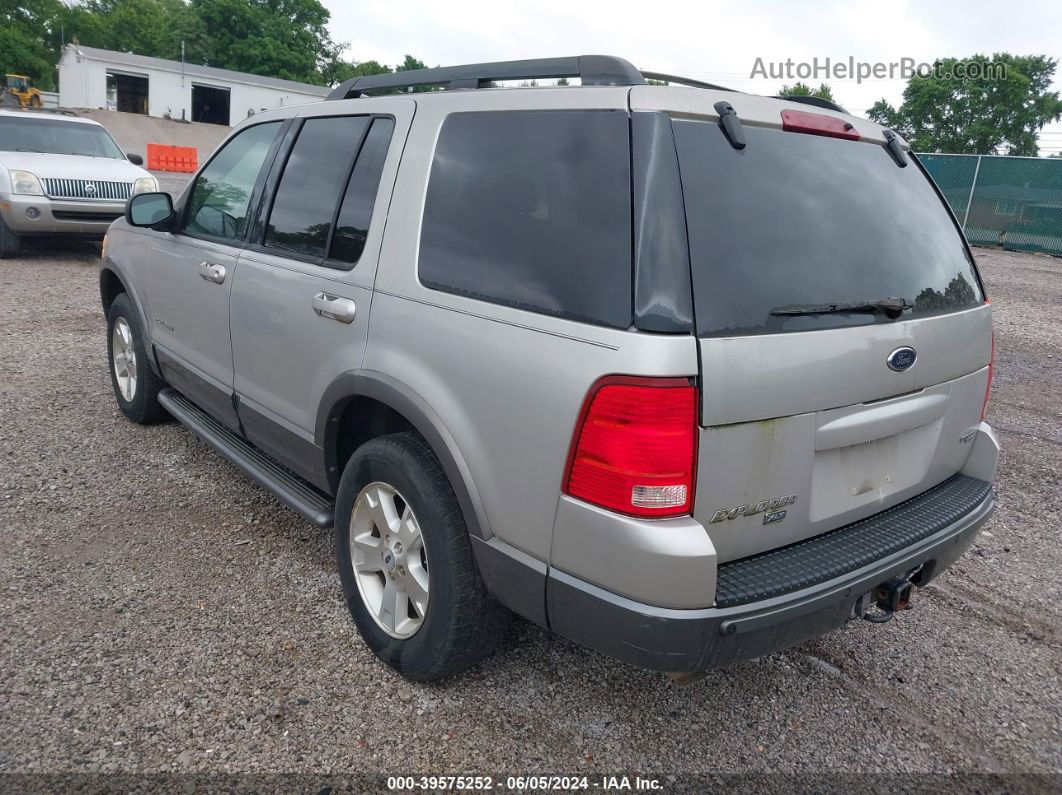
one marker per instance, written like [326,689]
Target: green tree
[281,38]
[146,27]
[804,90]
[410,63]
[987,114]
[278,38]
[339,70]
[29,32]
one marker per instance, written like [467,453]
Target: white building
[93,78]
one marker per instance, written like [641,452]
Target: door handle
[334,307]
[212,272]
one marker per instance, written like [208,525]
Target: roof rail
[593,70]
[683,81]
[818,102]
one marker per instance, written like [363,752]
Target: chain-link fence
[1015,202]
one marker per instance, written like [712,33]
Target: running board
[291,490]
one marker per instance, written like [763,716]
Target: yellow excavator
[21,87]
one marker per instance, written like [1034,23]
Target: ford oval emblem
[901,359]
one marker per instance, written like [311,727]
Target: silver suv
[62,175]
[682,374]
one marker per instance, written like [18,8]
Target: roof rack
[683,81]
[593,70]
[818,102]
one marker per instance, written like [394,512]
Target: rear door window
[314,176]
[795,221]
[532,209]
[355,214]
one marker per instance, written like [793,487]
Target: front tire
[406,564]
[136,387]
[10,243]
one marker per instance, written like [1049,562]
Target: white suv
[62,175]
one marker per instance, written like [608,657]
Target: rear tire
[10,243]
[449,622]
[136,387]
[35,101]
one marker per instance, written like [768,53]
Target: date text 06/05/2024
[523,783]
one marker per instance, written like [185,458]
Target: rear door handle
[334,307]
[212,272]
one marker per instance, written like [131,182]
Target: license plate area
[850,477]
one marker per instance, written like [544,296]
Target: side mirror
[136,160]
[149,209]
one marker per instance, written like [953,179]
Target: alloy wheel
[123,355]
[389,560]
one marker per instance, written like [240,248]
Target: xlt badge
[753,508]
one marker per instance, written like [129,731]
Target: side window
[532,209]
[352,223]
[221,196]
[306,198]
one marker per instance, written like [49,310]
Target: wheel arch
[355,391]
[111,286]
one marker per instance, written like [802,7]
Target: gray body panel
[819,415]
[695,640]
[506,383]
[497,390]
[191,318]
[273,321]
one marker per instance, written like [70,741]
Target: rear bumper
[56,216]
[670,639]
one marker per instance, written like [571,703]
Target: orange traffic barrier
[184,159]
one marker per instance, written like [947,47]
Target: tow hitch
[881,604]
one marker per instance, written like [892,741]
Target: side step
[291,490]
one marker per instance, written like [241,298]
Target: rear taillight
[991,374]
[634,448]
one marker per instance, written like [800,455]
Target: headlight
[145,185]
[25,183]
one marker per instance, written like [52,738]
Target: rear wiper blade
[892,307]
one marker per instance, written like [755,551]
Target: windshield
[56,137]
[797,221]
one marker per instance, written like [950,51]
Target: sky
[717,42]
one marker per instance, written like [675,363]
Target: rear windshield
[796,221]
[56,137]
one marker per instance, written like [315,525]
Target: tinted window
[795,221]
[352,225]
[313,178]
[34,134]
[222,191]
[532,209]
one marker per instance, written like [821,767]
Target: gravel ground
[162,614]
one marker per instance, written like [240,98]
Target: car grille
[90,189]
